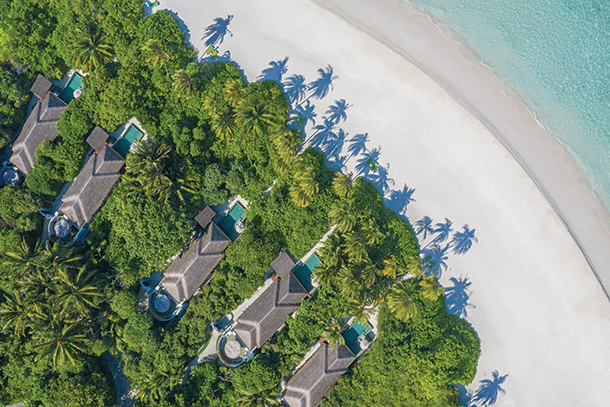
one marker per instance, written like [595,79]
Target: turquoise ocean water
[556,53]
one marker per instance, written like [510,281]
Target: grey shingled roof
[190,270]
[97,138]
[205,216]
[38,127]
[283,263]
[312,382]
[92,186]
[268,312]
[41,86]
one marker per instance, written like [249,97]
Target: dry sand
[449,128]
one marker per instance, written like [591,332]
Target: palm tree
[332,333]
[56,256]
[308,184]
[184,84]
[148,154]
[342,185]
[254,118]
[414,266]
[391,268]
[146,171]
[91,50]
[355,248]
[400,301]
[360,312]
[13,312]
[156,55]
[223,124]
[234,92]
[25,260]
[372,233]
[430,288]
[264,398]
[76,291]
[299,196]
[341,215]
[153,387]
[60,341]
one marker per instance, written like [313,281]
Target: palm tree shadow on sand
[398,200]
[275,72]
[215,33]
[324,84]
[487,393]
[457,296]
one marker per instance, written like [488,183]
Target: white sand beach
[440,122]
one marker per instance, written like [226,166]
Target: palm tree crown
[91,51]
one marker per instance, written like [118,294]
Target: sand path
[441,123]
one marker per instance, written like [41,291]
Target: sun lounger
[374,166]
[213,54]
[368,162]
[210,49]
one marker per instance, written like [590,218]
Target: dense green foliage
[413,363]
[211,136]
[14,98]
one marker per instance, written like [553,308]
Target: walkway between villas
[125,395]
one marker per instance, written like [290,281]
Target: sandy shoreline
[456,67]
[441,123]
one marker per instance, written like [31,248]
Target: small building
[312,382]
[194,267]
[205,216]
[268,312]
[41,87]
[283,263]
[93,184]
[38,127]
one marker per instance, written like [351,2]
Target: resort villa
[190,270]
[39,126]
[93,184]
[312,382]
[268,312]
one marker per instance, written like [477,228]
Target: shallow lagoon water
[556,54]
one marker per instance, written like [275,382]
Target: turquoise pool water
[556,53]
[75,82]
[351,335]
[124,143]
[303,273]
[227,224]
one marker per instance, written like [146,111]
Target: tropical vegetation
[65,311]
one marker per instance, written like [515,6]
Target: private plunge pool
[124,143]
[73,88]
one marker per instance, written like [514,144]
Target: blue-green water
[75,82]
[123,144]
[227,224]
[556,53]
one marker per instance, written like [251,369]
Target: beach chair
[375,165]
[368,162]
[155,4]
[213,54]
[210,49]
